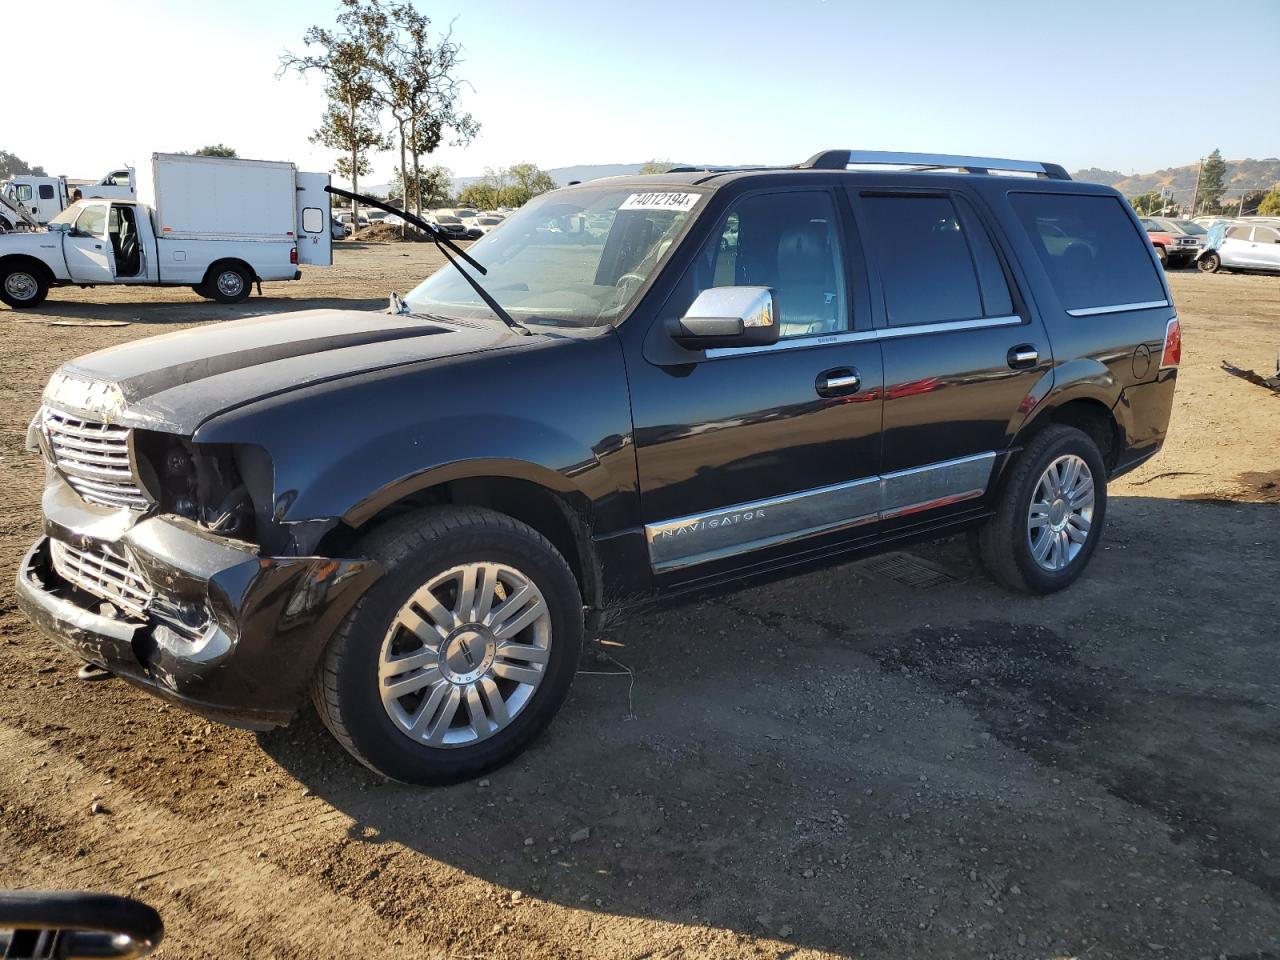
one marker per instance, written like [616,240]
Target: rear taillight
[1172,355]
[293,255]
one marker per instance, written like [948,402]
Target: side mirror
[728,317]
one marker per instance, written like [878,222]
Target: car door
[1236,249]
[87,248]
[960,352]
[749,455]
[1264,248]
[315,238]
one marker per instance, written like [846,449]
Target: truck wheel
[460,655]
[228,284]
[22,287]
[1051,513]
[1210,263]
[203,290]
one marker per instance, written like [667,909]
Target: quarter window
[936,262]
[46,191]
[1093,253]
[786,241]
[1265,235]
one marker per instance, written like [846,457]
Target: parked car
[485,224]
[215,224]
[347,219]
[511,459]
[1243,246]
[339,230]
[448,223]
[1174,246]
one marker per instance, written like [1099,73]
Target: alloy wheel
[465,654]
[1060,516]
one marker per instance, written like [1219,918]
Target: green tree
[415,80]
[1270,205]
[350,123]
[1147,204]
[512,186]
[434,186]
[13,166]
[215,150]
[655,166]
[1212,184]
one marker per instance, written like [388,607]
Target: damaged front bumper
[224,632]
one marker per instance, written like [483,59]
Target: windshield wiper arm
[444,244]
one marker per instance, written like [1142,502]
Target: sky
[1108,84]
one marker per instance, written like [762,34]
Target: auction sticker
[663,200]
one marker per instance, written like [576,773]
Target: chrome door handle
[836,383]
[1022,356]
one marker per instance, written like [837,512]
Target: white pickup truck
[215,224]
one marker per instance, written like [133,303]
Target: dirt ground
[855,763]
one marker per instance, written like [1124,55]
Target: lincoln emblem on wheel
[636,391]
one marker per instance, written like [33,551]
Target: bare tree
[351,122]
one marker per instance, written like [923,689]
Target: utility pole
[1195,197]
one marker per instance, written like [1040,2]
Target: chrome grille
[94,457]
[104,574]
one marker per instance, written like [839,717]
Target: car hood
[177,381]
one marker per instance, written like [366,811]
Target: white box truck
[215,224]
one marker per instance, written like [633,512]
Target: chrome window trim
[919,329]
[1117,308]
[860,336]
[873,498]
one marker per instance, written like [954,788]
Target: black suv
[659,386]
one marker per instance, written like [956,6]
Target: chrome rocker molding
[858,336]
[1117,308]
[714,535]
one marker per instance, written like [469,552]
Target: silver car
[1245,246]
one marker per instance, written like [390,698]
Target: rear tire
[466,707]
[229,283]
[1051,513]
[1164,257]
[1209,263]
[23,287]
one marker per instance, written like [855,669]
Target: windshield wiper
[444,245]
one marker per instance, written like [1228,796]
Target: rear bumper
[259,627]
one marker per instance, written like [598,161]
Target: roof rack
[840,159]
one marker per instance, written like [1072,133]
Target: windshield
[574,257]
[65,218]
[1186,226]
[446,219]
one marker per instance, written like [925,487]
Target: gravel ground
[843,764]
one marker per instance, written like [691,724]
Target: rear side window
[1090,249]
[936,262]
[46,191]
[1265,235]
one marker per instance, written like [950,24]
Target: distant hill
[1241,175]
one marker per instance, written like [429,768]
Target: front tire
[22,287]
[460,655]
[1051,513]
[1209,263]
